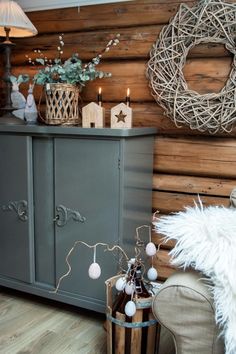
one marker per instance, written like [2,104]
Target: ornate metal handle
[20,207]
[65,214]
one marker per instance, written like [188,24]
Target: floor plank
[31,325]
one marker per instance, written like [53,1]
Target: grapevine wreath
[209,21]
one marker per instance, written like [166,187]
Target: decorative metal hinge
[18,206]
[65,214]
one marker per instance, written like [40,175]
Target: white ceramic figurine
[31,112]
[17,98]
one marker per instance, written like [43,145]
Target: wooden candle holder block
[121,116]
[93,115]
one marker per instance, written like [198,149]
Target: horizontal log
[200,68]
[166,202]
[132,74]
[135,42]
[209,50]
[207,75]
[124,74]
[162,264]
[133,13]
[158,240]
[191,184]
[211,157]
[144,116]
[150,114]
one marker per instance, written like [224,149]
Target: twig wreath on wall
[208,21]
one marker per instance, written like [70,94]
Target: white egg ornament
[151,249]
[130,308]
[94,271]
[129,288]
[152,274]
[120,284]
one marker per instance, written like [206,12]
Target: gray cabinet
[93,185]
[16,212]
[90,189]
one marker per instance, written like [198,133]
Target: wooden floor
[29,324]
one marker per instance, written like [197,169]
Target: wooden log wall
[187,163]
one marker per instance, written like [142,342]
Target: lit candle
[128,97]
[100,96]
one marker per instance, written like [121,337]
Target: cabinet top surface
[76,131]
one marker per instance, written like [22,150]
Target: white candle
[128,97]
[100,96]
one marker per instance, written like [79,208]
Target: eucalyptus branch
[70,71]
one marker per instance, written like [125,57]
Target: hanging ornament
[152,274]
[94,270]
[130,308]
[130,263]
[129,288]
[120,284]
[151,249]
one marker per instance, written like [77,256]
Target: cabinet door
[86,182]
[16,207]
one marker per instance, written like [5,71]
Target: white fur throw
[206,241]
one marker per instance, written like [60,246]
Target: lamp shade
[12,16]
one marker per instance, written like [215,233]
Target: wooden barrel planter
[125,335]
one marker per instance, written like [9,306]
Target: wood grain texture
[30,325]
[93,115]
[120,335]
[132,74]
[108,325]
[158,240]
[136,333]
[152,336]
[192,184]
[136,13]
[162,263]
[211,157]
[135,43]
[207,75]
[166,202]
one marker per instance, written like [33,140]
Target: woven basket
[62,104]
